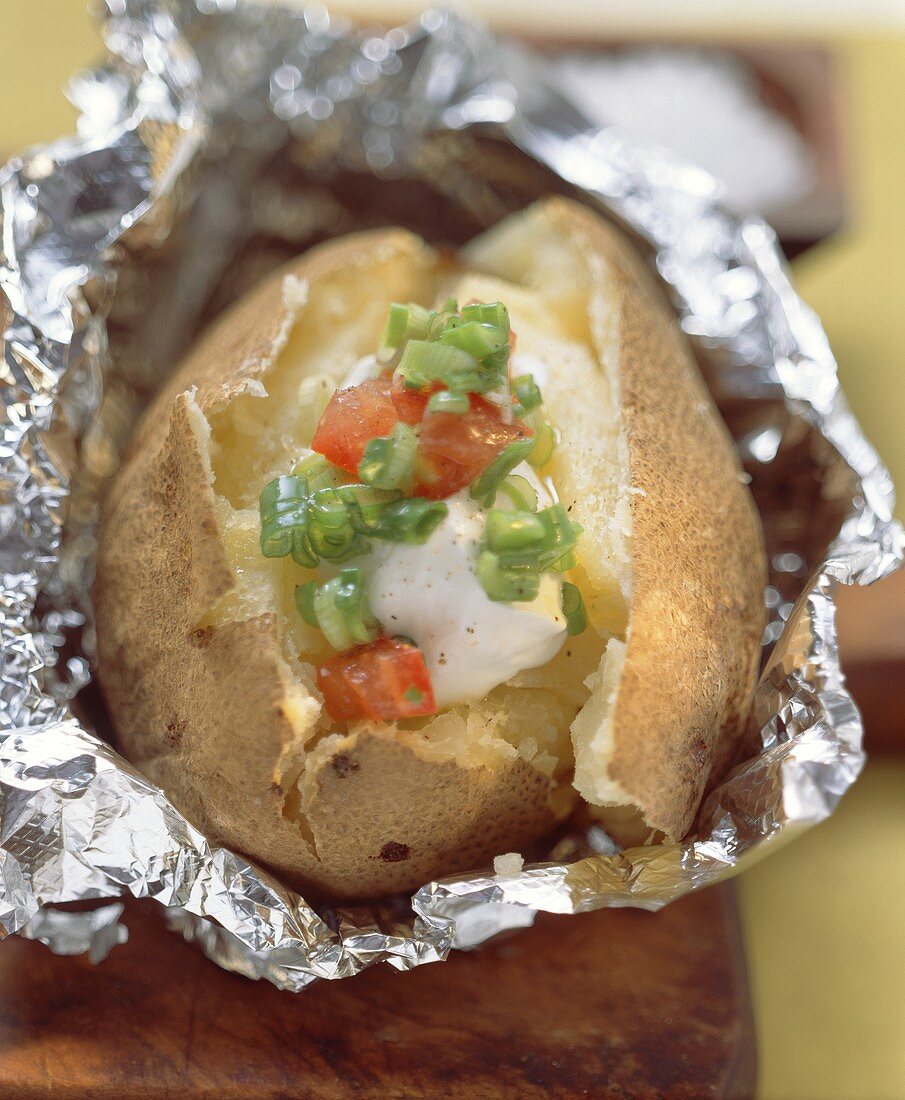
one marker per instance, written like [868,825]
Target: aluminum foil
[218,139]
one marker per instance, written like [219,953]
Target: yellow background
[825,917]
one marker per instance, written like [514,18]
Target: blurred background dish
[757,127]
[800,109]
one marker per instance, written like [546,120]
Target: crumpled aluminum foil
[220,138]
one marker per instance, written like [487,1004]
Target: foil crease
[219,138]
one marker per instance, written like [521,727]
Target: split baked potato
[210,673]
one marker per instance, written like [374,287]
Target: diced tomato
[383,681]
[453,450]
[410,404]
[351,419]
[356,415]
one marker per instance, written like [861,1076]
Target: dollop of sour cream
[430,593]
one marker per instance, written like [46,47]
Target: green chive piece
[337,524]
[446,402]
[544,441]
[389,461]
[364,503]
[405,322]
[397,322]
[520,491]
[411,521]
[336,542]
[560,539]
[573,608]
[441,322]
[304,601]
[414,695]
[331,621]
[340,609]
[466,352]
[477,339]
[527,393]
[512,583]
[284,507]
[512,530]
[485,485]
[350,599]
[483,379]
[318,472]
[519,545]
[426,361]
[488,313]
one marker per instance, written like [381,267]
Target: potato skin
[205,712]
[697,609]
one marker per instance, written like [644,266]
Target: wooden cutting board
[617,1003]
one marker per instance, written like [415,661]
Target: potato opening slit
[264,431]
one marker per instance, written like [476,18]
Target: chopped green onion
[527,393]
[477,339]
[397,323]
[336,542]
[487,313]
[507,582]
[426,361]
[284,506]
[389,461]
[318,473]
[446,402]
[468,353]
[414,695]
[405,322]
[304,601]
[364,503]
[339,608]
[560,538]
[485,377]
[349,596]
[411,521]
[443,320]
[573,608]
[544,440]
[485,485]
[330,620]
[512,530]
[520,491]
[522,544]
[336,524]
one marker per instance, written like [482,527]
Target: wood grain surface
[617,1003]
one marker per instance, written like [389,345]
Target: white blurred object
[705,107]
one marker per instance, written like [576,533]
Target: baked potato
[215,681]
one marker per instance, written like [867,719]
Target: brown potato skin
[697,610]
